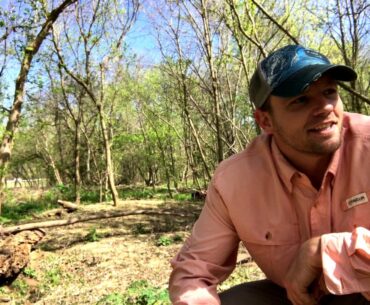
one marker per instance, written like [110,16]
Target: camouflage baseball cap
[290,70]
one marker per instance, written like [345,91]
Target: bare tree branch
[355,93]
[295,40]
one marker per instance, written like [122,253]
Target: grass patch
[15,212]
[182,196]
[112,299]
[165,240]
[31,285]
[31,273]
[137,193]
[20,286]
[24,208]
[139,292]
[90,197]
[241,274]
[66,192]
[53,276]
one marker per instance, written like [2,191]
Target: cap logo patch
[357,200]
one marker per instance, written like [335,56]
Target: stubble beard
[309,146]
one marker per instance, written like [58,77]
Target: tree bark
[15,251]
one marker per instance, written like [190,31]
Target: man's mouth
[322,127]
[326,129]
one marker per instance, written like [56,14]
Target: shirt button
[268,235]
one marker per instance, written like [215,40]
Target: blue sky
[139,40]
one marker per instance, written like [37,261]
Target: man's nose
[324,105]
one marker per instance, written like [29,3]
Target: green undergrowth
[139,292]
[22,208]
[31,285]
[165,240]
[89,196]
[150,193]
[17,211]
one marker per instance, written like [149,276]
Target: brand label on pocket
[356,200]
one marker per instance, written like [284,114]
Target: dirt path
[85,262]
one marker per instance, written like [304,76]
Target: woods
[104,101]
[90,109]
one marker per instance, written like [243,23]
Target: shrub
[53,276]
[93,235]
[164,240]
[31,273]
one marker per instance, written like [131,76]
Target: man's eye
[299,101]
[330,91]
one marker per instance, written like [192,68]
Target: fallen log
[69,206]
[82,218]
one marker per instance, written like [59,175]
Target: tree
[99,54]
[348,25]
[32,47]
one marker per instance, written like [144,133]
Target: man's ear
[263,119]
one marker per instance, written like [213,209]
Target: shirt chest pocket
[273,247]
[356,211]
[272,235]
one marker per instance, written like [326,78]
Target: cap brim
[296,83]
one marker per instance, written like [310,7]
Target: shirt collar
[284,169]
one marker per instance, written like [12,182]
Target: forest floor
[123,260]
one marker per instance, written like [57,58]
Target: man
[297,196]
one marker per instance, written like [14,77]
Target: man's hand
[305,269]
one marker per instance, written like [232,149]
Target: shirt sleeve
[207,257]
[346,262]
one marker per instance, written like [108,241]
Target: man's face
[310,123]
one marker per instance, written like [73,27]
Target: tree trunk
[50,160]
[57,176]
[108,157]
[77,164]
[15,111]
[214,79]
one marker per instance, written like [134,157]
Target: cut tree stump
[15,252]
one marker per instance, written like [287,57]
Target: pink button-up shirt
[258,198]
